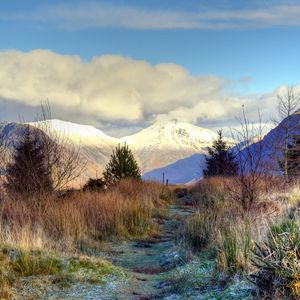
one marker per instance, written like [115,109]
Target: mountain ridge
[157,146]
[175,148]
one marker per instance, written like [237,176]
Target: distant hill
[184,170]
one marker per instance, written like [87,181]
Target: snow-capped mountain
[175,148]
[77,133]
[164,143]
[95,146]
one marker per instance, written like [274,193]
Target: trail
[149,262]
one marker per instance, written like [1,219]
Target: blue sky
[252,45]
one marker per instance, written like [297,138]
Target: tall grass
[200,229]
[122,212]
[221,223]
[278,262]
[234,249]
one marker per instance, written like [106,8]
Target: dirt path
[149,262]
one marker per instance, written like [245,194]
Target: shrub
[94,185]
[211,192]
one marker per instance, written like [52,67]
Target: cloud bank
[117,91]
[82,15]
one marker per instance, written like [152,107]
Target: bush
[94,185]
[212,192]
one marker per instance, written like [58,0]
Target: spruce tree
[27,174]
[220,160]
[293,158]
[122,164]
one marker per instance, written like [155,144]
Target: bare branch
[63,158]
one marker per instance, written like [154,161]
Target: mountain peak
[172,134]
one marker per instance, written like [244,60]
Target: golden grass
[124,211]
[222,224]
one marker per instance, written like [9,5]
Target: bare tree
[252,168]
[62,156]
[288,104]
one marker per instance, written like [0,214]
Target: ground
[160,267]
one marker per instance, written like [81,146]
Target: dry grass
[122,212]
[76,222]
[222,223]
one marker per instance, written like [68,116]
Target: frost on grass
[81,278]
[197,280]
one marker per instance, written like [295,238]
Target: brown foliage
[81,217]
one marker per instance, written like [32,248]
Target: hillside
[272,144]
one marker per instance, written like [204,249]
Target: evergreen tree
[27,175]
[293,158]
[122,164]
[220,161]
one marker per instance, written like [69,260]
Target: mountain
[171,147]
[164,143]
[95,146]
[184,170]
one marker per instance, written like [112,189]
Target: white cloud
[113,90]
[97,15]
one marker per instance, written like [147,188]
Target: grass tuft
[29,264]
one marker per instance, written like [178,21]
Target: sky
[122,65]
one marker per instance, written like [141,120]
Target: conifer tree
[122,164]
[220,161]
[293,159]
[27,174]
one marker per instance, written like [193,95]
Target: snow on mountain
[166,142]
[77,133]
[94,145]
[174,134]
[171,145]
